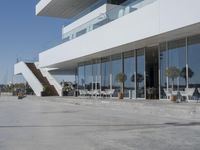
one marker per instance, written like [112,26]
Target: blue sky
[22,34]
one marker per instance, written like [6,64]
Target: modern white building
[148,40]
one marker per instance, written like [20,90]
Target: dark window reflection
[193,62]
[116,68]
[163,67]
[81,77]
[105,73]
[140,68]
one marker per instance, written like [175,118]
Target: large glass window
[140,69]
[105,73]
[88,77]
[81,77]
[163,67]
[116,69]
[177,61]
[193,62]
[97,74]
[129,71]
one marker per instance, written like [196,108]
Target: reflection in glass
[116,68]
[88,77]
[97,75]
[177,58]
[81,77]
[193,62]
[163,68]
[105,73]
[140,69]
[129,70]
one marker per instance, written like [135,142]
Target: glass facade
[88,77]
[116,69]
[105,73]
[96,67]
[129,71]
[193,63]
[177,59]
[81,77]
[179,56]
[140,73]
[163,67]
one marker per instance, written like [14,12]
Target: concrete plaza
[54,123]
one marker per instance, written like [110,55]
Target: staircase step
[43,80]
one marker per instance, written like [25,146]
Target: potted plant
[173,73]
[121,78]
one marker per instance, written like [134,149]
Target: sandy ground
[54,123]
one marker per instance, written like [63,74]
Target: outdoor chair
[187,93]
[110,92]
[83,92]
[107,92]
[198,95]
[103,93]
[168,93]
[96,93]
[199,90]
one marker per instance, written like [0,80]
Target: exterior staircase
[43,80]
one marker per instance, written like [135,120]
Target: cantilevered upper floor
[68,8]
[62,8]
[135,25]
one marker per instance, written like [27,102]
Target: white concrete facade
[22,68]
[152,20]
[114,29]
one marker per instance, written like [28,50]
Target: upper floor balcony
[88,21]
[62,8]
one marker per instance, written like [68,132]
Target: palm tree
[121,78]
[173,73]
[183,73]
[139,78]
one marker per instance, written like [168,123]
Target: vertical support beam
[159,73]
[187,67]
[145,90]
[167,78]
[122,69]
[110,64]
[135,73]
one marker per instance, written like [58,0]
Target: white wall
[97,12]
[21,68]
[154,19]
[178,13]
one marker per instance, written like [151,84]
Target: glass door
[152,73]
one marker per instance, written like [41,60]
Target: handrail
[86,11]
[19,59]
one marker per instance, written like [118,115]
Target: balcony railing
[86,11]
[27,60]
[105,18]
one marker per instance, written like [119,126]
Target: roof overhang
[62,8]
